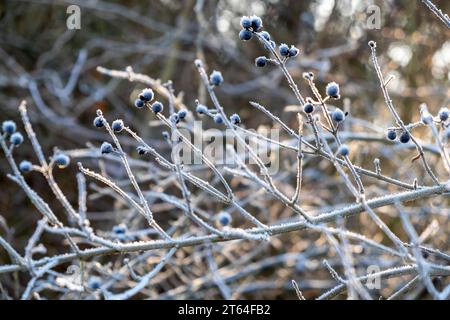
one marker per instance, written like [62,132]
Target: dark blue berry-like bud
[308,107]
[246,22]
[343,150]
[256,23]
[16,138]
[201,109]
[99,122]
[157,107]
[117,125]
[62,160]
[443,114]
[120,229]
[146,95]
[182,114]
[174,118]
[392,135]
[332,90]
[25,166]
[265,35]
[139,103]
[261,61]
[338,115]
[224,218]
[9,127]
[94,283]
[106,148]
[218,119]
[141,150]
[284,50]
[235,119]
[293,52]
[245,35]
[216,78]
[404,137]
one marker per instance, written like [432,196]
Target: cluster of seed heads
[288,52]
[249,24]
[178,116]
[404,136]
[253,24]
[332,91]
[145,98]
[16,139]
[427,119]
[9,129]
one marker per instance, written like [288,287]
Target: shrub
[142,211]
